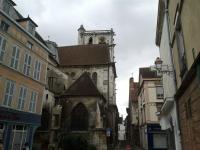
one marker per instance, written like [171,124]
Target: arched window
[94,78]
[79,118]
[90,40]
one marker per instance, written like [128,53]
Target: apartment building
[23,67]
[150,99]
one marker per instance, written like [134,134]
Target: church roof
[83,86]
[80,55]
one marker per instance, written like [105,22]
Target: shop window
[79,118]
[19,136]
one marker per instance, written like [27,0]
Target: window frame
[9,92]
[33,101]
[15,57]
[37,70]
[2,47]
[27,64]
[158,94]
[22,96]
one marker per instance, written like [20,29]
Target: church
[86,108]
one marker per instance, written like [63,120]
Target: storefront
[157,138]
[17,128]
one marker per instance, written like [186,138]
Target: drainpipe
[174,77]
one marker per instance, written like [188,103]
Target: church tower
[97,37]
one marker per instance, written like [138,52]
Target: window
[19,137]
[79,118]
[2,47]
[22,96]
[10,85]
[29,45]
[180,45]
[90,40]
[4,26]
[15,57]
[27,64]
[31,28]
[94,78]
[159,92]
[32,105]
[56,120]
[37,70]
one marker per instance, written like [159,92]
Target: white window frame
[37,70]
[33,101]
[159,95]
[2,47]
[27,64]
[9,92]
[15,57]
[22,96]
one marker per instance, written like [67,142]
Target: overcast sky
[133,21]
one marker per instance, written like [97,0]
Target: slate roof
[147,73]
[83,86]
[79,55]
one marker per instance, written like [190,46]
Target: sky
[133,21]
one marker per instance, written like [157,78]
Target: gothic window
[94,78]
[79,118]
[90,40]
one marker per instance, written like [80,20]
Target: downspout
[174,75]
[108,90]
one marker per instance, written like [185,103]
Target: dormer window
[28,24]
[31,28]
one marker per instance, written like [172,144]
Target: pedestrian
[26,146]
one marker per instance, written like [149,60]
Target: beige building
[23,68]
[184,39]
[150,99]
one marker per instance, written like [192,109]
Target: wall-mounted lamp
[162,68]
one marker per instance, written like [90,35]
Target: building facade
[150,100]
[133,128]
[183,24]
[23,67]
[168,114]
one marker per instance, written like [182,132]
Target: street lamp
[161,68]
